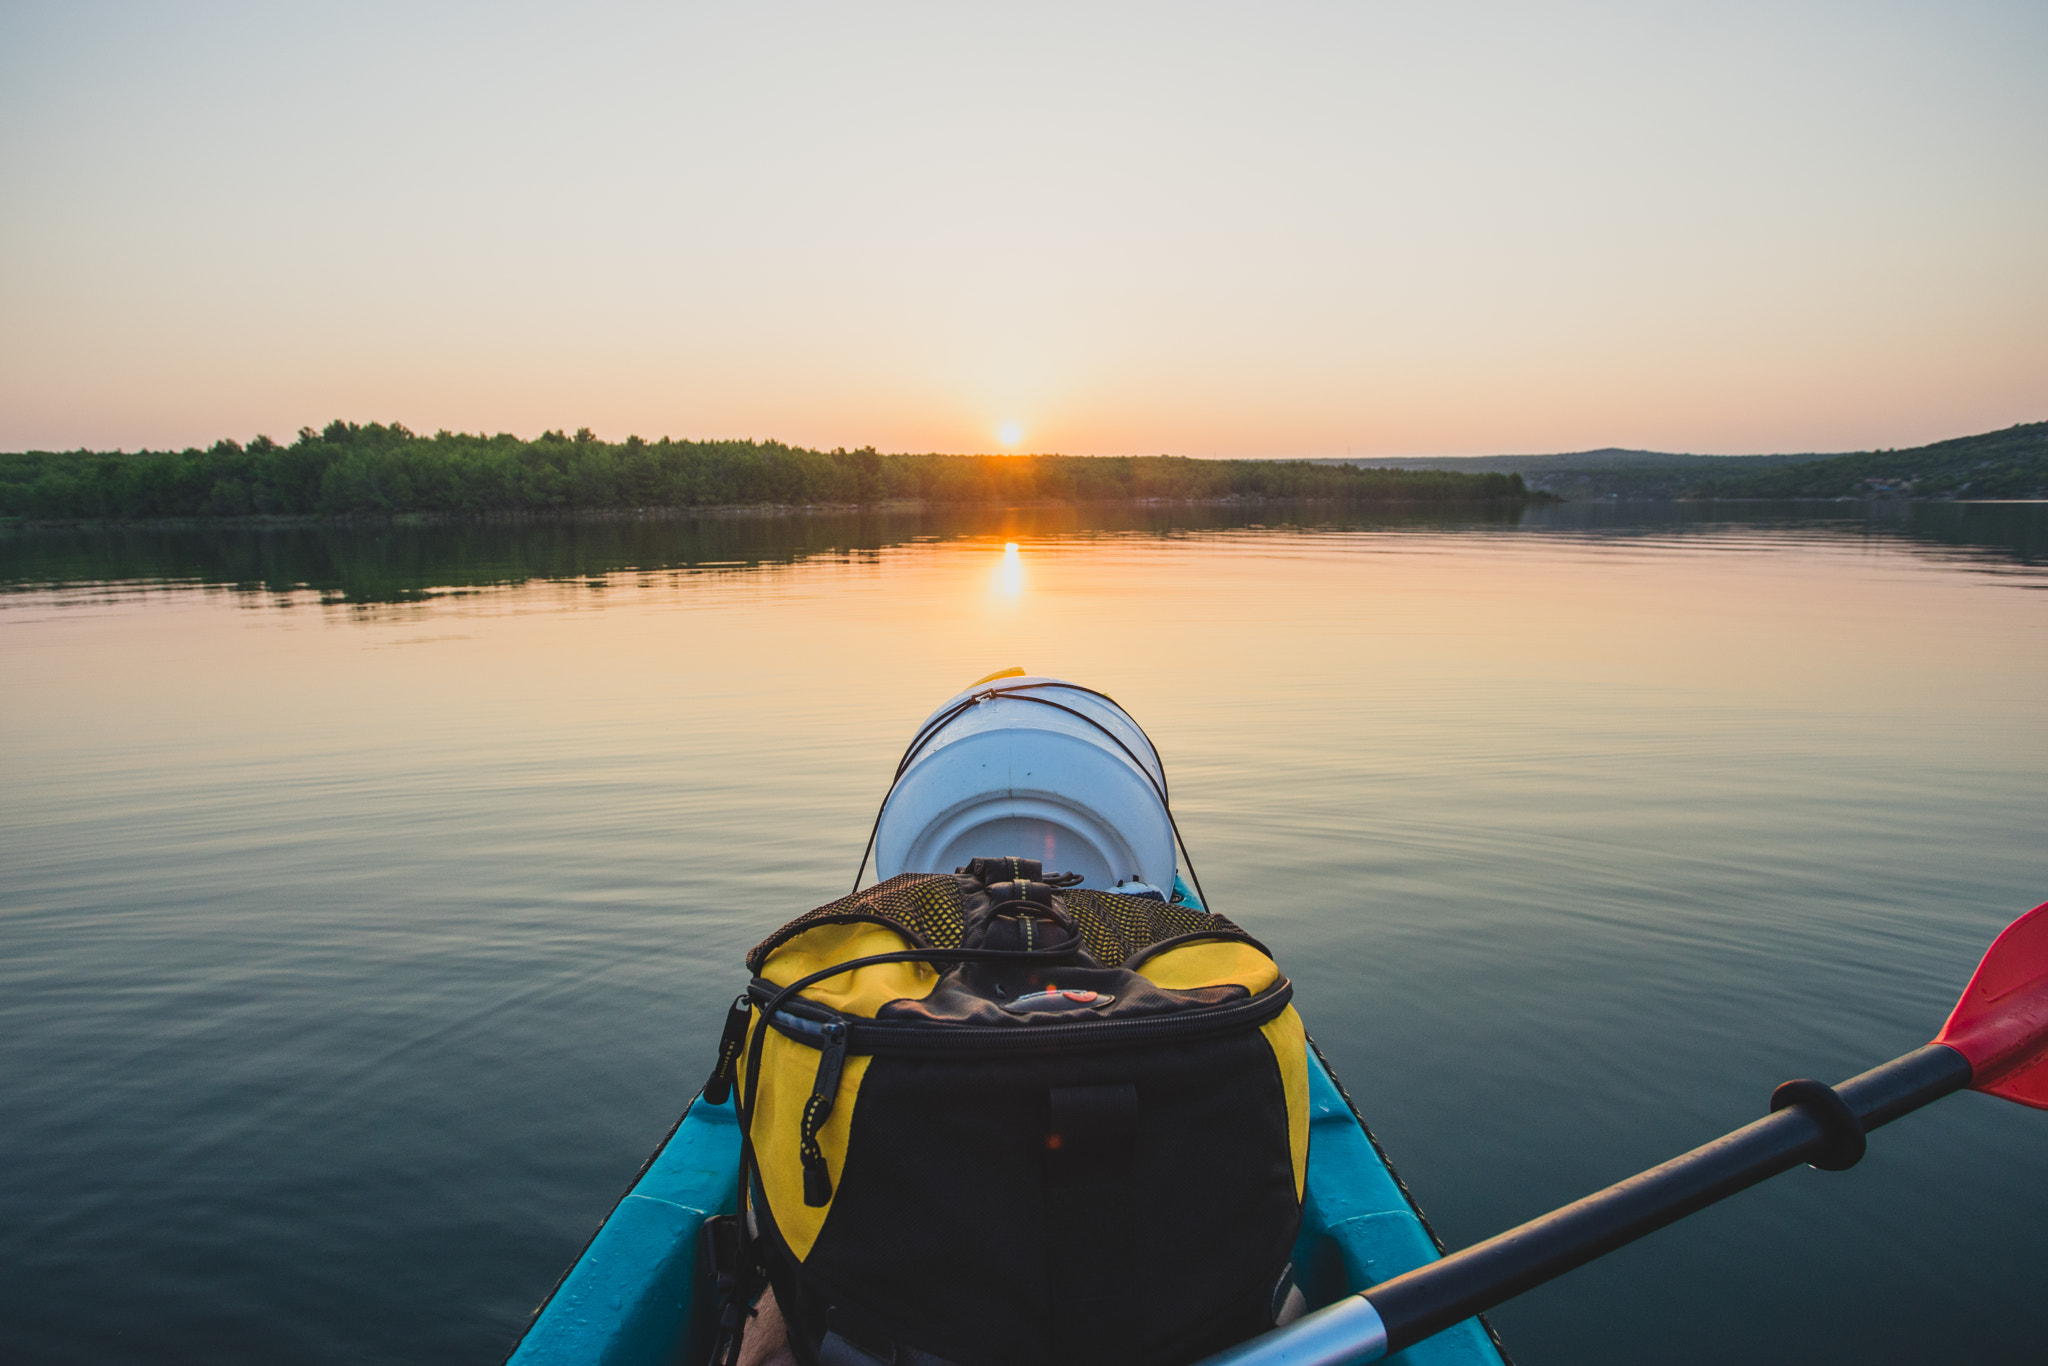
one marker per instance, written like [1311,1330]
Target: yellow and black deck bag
[992,1119]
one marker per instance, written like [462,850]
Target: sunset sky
[1272,229]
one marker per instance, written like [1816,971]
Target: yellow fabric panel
[1210,963]
[1289,1042]
[1014,671]
[788,1071]
[863,991]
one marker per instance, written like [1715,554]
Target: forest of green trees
[352,470]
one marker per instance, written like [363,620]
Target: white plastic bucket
[1012,777]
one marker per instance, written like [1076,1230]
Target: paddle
[1995,1041]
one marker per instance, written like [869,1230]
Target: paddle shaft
[1429,1299]
[1432,1298]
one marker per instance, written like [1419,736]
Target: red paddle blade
[2001,1024]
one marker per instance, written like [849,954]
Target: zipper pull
[818,1109]
[729,1045]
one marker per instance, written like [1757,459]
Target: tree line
[375,469]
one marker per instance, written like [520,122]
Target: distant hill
[1606,458]
[2012,463]
[2007,464]
[1610,472]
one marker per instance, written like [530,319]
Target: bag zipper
[818,1109]
[835,1036]
[719,1085]
[904,1038]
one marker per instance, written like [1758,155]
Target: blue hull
[638,1296]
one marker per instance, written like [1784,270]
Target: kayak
[998,768]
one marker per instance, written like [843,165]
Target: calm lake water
[369,900]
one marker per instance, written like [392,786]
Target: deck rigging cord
[1022,692]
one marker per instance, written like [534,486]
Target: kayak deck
[637,1296]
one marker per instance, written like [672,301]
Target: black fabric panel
[1091,1216]
[949,1213]
[1091,1135]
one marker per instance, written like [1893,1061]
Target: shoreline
[717,511]
[899,507]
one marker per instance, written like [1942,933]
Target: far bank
[351,471]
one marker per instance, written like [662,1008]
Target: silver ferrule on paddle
[1343,1334]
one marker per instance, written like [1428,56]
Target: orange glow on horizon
[1464,251]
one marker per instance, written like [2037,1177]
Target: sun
[1010,433]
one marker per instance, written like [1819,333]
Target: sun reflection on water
[1010,575]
